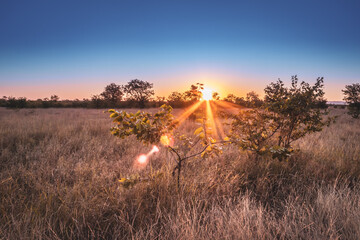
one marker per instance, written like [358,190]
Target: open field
[59,171]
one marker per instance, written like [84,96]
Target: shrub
[287,115]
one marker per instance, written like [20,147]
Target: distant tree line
[22,102]
[251,100]
[140,94]
[135,94]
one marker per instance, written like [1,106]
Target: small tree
[139,91]
[352,98]
[216,96]
[159,128]
[287,115]
[54,98]
[299,109]
[253,100]
[194,94]
[230,98]
[113,93]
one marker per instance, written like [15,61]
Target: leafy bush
[147,128]
[287,115]
[159,128]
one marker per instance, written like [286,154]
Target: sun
[207,94]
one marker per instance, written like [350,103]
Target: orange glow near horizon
[155,149]
[79,88]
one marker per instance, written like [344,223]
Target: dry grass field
[59,171]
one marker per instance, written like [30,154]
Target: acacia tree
[113,93]
[139,91]
[352,98]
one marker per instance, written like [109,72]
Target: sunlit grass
[211,120]
[217,121]
[59,172]
[188,112]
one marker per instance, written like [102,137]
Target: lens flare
[188,112]
[142,159]
[212,107]
[155,149]
[166,140]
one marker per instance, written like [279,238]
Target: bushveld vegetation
[286,115]
[60,170]
[64,176]
[138,93]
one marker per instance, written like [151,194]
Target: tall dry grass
[59,170]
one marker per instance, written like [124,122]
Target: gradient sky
[75,48]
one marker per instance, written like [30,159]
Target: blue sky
[75,48]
